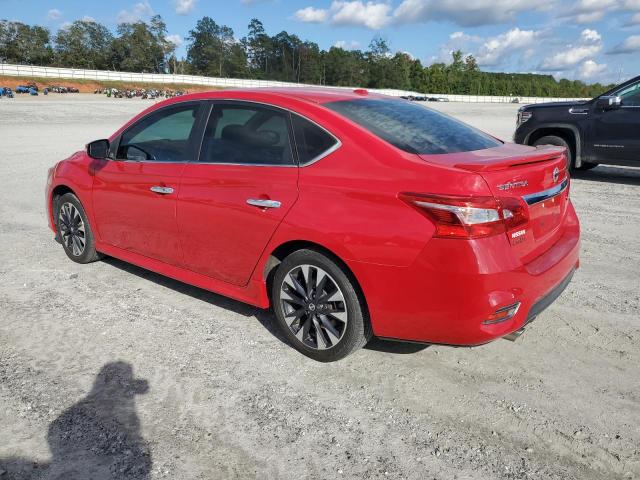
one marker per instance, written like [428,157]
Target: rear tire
[318,306]
[73,229]
[587,166]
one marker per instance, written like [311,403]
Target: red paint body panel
[237,233]
[417,287]
[128,215]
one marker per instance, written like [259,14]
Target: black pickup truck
[605,129]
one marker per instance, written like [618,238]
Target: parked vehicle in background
[6,92]
[414,98]
[605,129]
[350,214]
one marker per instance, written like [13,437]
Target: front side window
[413,128]
[247,134]
[312,141]
[163,136]
[630,95]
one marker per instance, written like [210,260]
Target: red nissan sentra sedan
[350,214]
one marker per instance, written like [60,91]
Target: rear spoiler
[543,153]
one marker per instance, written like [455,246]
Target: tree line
[215,50]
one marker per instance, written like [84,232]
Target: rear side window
[311,141]
[413,128]
[249,135]
[163,136]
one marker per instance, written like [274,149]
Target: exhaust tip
[513,336]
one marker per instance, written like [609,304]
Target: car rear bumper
[448,295]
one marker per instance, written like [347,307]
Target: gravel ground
[110,371]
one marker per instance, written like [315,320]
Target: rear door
[232,200]
[615,134]
[135,193]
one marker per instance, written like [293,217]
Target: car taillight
[468,216]
[514,212]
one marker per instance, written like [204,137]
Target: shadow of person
[97,438]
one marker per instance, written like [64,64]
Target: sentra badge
[510,185]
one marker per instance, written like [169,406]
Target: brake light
[468,216]
[514,212]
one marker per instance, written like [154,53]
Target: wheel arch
[60,190]
[57,192]
[286,248]
[569,132]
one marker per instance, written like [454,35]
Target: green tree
[211,48]
[380,65]
[257,45]
[470,64]
[83,44]
[345,68]
[25,44]
[142,47]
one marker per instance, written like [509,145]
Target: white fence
[106,75]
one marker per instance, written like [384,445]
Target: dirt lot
[109,371]
[90,86]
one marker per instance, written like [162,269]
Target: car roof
[308,94]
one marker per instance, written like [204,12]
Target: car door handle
[161,190]
[262,203]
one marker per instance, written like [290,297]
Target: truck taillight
[456,216]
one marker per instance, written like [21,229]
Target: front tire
[318,307]
[74,231]
[561,142]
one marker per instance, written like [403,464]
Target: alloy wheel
[72,230]
[314,307]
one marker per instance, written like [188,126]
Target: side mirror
[98,149]
[609,103]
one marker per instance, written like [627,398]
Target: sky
[589,40]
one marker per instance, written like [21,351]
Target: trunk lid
[535,179]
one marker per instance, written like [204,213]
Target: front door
[615,133]
[135,194]
[232,200]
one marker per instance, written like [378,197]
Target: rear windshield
[413,128]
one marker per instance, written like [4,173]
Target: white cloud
[311,15]
[54,14]
[589,70]
[589,11]
[370,14]
[588,45]
[570,57]
[177,40]
[630,45]
[373,15]
[184,7]
[138,12]
[467,13]
[590,36]
[495,49]
[88,18]
[352,45]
